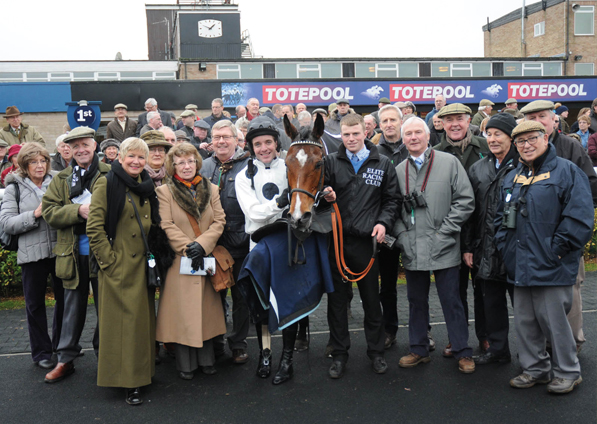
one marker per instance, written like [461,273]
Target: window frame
[581,11]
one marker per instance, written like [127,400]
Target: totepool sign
[423,92]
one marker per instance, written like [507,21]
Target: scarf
[182,193]
[224,167]
[190,185]
[156,176]
[463,144]
[82,178]
[118,181]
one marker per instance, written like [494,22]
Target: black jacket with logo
[366,198]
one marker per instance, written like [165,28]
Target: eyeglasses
[189,163]
[36,163]
[530,140]
[225,138]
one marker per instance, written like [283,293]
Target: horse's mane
[304,133]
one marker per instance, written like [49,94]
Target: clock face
[210,28]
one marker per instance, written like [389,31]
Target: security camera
[575,6]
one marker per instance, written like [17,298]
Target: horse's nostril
[306,217]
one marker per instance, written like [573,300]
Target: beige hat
[155,138]
[121,106]
[537,106]
[3,143]
[79,132]
[486,102]
[453,109]
[187,113]
[511,100]
[191,106]
[181,134]
[527,126]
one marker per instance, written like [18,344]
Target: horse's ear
[289,128]
[318,127]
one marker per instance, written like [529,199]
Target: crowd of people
[505,200]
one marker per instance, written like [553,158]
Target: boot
[264,367]
[285,370]
[302,339]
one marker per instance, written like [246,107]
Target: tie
[419,163]
[355,159]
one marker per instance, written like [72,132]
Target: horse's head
[304,164]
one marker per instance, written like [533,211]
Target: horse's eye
[318,165]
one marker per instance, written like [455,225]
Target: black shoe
[209,370]
[337,369]
[390,340]
[379,365]
[264,367]
[133,397]
[301,344]
[46,364]
[186,375]
[285,370]
[489,357]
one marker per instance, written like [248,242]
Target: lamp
[202,66]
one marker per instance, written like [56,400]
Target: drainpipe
[567,53]
[523,47]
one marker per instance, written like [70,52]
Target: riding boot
[302,339]
[286,370]
[264,366]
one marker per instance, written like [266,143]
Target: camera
[509,218]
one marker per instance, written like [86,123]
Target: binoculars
[509,218]
[414,200]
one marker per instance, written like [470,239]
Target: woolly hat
[503,122]
[561,109]
[109,142]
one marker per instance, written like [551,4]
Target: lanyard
[431,157]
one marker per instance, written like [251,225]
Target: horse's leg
[265,353]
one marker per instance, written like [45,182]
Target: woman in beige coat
[190,311]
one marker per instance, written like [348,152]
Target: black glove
[196,253]
[282,200]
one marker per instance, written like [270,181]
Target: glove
[282,200]
[196,253]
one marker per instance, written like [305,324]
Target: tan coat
[28,133]
[126,308]
[190,310]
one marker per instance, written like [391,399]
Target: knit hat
[109,142]
[527,126]
[561,110]
[503,122]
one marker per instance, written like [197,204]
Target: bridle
[317,196]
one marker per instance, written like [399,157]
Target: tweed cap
[263,109]
[3,143]
[527,126]
[155,138]
[512,112]
[334,106]
[191,107]
[384,100]
[200,123]
[79,132]
[453,109]
[181,134]
[343,100]
[511,100]
[120,105]
[187,113]
[485,102]
[109,142]
[320,110]
[400,105]
[537,106]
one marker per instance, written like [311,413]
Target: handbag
[10,242]
[152,271]
[223,278]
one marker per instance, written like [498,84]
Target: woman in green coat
[126,305]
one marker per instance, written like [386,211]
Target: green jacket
[63,215]
[28,133]
[478,118]
[476,150]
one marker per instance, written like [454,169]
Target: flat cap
[79,132]
[485,102]
[191,106]
[342,100]
[263,109]
[454,109]
[411,105]
[320,110]
[511,100]
[3,143]
[109,142]
[200,123]
[187,113]
[384,100]
[120,106]
[181,134]
[333,106]
[537,106]
[527,126]
[155,138]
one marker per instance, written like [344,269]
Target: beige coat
[190,311]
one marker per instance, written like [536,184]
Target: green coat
[476,150]
[126,307]
[28,133]
[477,119]
[63,215]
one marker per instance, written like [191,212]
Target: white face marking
[297,214]
[302,157]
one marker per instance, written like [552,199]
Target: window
[532,69]
[164,75]
[584,69]
[308,71]
[269,70]
[60,76]
[348,70]
[37,76]
[552,69]
[440,69]
[365,70]
[285,70]
[331,70]
[251,71]
[481,69]
[408,70]
[540,29]
[228,72]
[135,76]
[107,76]
[11,76]
[584,17]
[512,69]
[83,76]
[386,70]
[461,70]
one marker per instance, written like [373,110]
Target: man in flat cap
[545,218]
[16,132]
[333,123]
[217,107]
[201,139]
[121,127]
[65,207]
[382,102]
[181,137]
[3,155]
[151,105]
[188,119]
[512,108]
[459,141]
[190,107]
[566,147]
[440,101]
[485,108]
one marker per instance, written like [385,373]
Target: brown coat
[190,310]
[114,130]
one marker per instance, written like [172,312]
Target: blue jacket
[558,222]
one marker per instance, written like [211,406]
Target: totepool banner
[422,92]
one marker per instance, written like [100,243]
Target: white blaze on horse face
[296,214]
[302,157]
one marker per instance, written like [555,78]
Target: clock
[210,28]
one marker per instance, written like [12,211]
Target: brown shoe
[239,356]
[447,352]
[61,371]
[483,346]
[412,360]
[466,365]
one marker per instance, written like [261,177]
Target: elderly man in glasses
[545,218]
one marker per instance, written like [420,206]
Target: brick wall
[193,73]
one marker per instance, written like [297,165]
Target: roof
[515,14]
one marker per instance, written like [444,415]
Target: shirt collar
[361,154]
[422,156]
